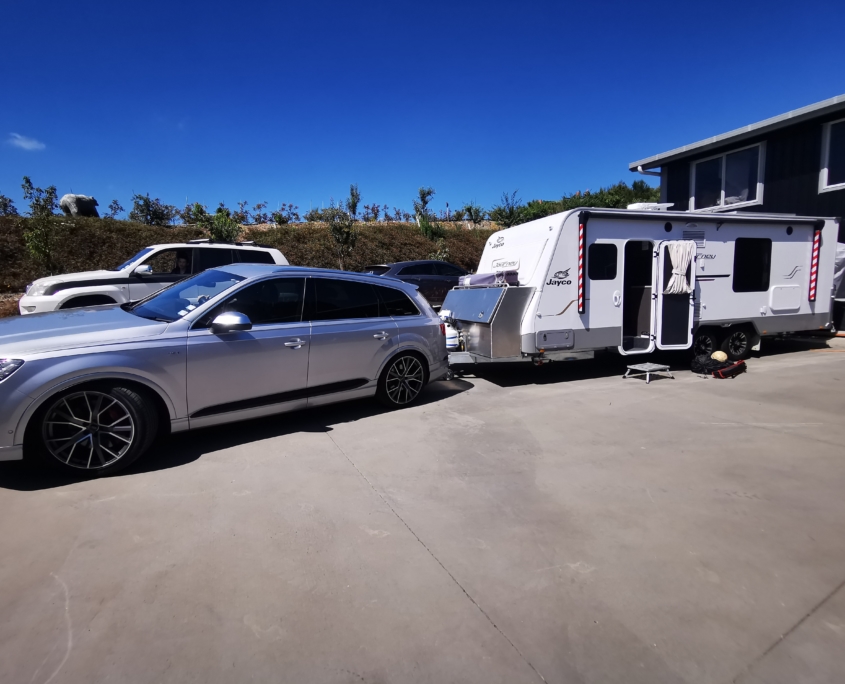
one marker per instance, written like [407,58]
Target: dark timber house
[790,164]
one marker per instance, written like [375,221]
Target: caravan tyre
[737,344]
[706,342]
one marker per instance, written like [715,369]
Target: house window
[752,264]
[729,180]
[832,176]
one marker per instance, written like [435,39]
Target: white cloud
[25,143]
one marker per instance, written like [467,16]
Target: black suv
[433,278]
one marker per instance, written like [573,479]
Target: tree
[314,215]
[241,214]
[616,196]
[353,201]
[195,214]
[459,215]
[510,212]
[259,215]
[287,213]
[114,209]
[42,202]
[223,228]
[475,213]
[7,206]
[43,232]
[343,231]
[151,212]
[422,201]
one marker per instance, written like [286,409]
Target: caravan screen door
[675,311]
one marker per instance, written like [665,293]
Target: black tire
[737,343]
[402,380]
[103,428]
[706,341]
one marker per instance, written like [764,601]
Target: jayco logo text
[560,278]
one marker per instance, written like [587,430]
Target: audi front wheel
[94,430]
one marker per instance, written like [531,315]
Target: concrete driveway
[555,524]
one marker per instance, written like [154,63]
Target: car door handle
[295,344]
[381,336]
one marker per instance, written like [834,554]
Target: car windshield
[135,258]
[183,297]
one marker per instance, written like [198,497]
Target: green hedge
[92,244]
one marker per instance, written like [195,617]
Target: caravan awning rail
[694,217]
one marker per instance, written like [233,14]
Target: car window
[211,257]
[171,261]
[126,263]
[449,270]
[417,270]
[254,256]
[269,301]
[394,302]
[180,299]
[335,299]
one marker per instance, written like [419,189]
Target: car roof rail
[198,241]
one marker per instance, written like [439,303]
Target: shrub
[510,212]
[287,213]
[151,212]
[7,206]
[114,209]
[343,231]
[223,228]
[353,201]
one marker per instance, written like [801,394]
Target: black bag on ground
[731,371]
[704,365]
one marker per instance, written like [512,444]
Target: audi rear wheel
[402,381]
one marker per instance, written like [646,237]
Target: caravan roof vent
[650,206]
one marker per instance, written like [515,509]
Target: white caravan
[635,281]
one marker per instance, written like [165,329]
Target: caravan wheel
[737,345]
[706,342]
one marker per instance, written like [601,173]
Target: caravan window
[728,180]
[601,261]
[752,264]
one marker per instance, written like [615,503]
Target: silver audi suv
[90,389]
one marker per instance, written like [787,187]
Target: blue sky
[292,102]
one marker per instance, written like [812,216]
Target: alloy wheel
[738,343]
[703,345]
[88,430]
[405,380]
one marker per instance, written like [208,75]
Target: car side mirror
[230,321]
[142,270]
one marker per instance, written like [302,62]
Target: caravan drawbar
[636,281]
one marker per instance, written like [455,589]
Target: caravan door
[675,288]
[639,273]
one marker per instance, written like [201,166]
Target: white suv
[150,270]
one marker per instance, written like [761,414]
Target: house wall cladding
[791,176]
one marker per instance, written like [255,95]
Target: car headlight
[36,290]
[9,366]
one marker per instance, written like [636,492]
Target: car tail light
[443,329]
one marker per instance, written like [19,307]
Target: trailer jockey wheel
[737,344]
[706,342]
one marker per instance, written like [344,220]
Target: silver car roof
[256,270]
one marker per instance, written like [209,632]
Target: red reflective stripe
[814,264]
[581,268]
